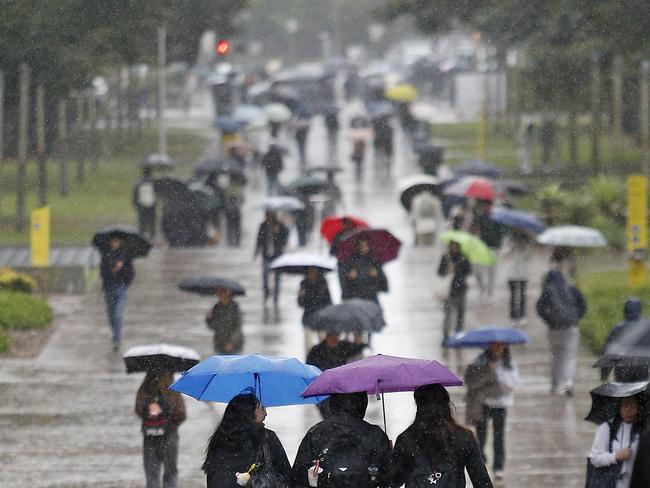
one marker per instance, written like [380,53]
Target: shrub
[19,311]
[5,343]
[11,280]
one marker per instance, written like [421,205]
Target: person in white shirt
[628,425]
[519,253]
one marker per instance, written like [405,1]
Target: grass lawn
[105,196]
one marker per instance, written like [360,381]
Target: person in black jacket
[364,276]
[314,293]
[343,444]
[238,443]
[144,201]
[273,163]
[272,238]
[436,447]
[455,263]
[117,274]
[641,470]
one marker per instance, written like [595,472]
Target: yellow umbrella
[402,92]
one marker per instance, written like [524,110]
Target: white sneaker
[498,474]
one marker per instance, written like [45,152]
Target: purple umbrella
[381,374]
[384,246]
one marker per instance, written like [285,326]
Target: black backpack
[345,462]
[559,309]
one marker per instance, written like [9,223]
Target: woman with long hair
[240,441]
[435,449]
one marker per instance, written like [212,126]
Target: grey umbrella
[354,315]
[630,349]
[208,285]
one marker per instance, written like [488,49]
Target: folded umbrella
[208,285]
[517,219]
[412,185]
[355,315]
[572,236]
[485,336]
[477,167]
[275,381]
[332,226]
[606,399]
[299,262]
[471,246]
[384,246]
[474,187]
[134,245]
[156,357]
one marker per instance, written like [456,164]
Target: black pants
[517,299]
[498,416]
[147,221]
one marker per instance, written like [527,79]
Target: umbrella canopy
[377,110]
[384,246]
[307,185]
[412,185]
[472,247]
[401,92]
[277,112]
[382,374]
[276,381]
[517,219]
[354,315]
[572,236]
[154,357]
[606,399]
[208,285]
[299,262]
[484,336]
[219,166]
[229,125]
[170,187]
[157,161]
[513,187]
[472,187]
[633,344]
[249,114]
[332,226]
[133,243]
[324,169]
[282,203]
[477,167]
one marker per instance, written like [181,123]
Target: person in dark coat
[304,219]
[272,238]
[332,125]
[162,411]
[491,233]
[641,469]
[273,163]
[301,131]
[225,319]
[631,316]
[456,264]
[144,200]
[314,293]
[364,276]
[435,441]
[369,453]
[238,443]
[117,273]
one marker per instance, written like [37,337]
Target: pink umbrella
[384,246]
[472,187]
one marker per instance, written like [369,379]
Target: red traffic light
[223,47]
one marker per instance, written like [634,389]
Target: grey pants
[564,351]
[453,304]
[159,452]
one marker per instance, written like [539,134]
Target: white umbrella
[299,262]
[160,356]
[572,236]
[282,203]
[277,112]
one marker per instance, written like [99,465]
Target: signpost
[637,228]
[40,237]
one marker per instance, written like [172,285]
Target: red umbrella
[333,225]
[472,187]
[384,246]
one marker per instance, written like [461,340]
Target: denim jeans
[517,299]
[453,304]
[115,297]
[498,416]
[161,452]
[266,265]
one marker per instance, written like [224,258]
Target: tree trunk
[573,137]
[596,125]
[79,140]
[617,105]
[40,145]
[23,119]
[63,148]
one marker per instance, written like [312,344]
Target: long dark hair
[237,427]
[434,423]
[505,358]
[639,423]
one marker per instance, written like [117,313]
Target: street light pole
[162,90]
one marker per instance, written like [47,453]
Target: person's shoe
[569,392]
[116,346]
[523,321]
[498,474]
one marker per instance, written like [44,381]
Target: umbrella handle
[383,408]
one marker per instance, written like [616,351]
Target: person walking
[342,451]
[225,319]
[301,132]
[491,380]
[239,442]
[491,233]
[435,448]
[314,293]
[272,238]
[117,273]
[233,200]
[144,201]
[357,157]
[304,219]
[162,411]
[273,163]
[332,126]
[454,263]
[616,442]
[364,276]
[561,306]
[519,253]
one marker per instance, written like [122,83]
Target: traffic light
[223,47]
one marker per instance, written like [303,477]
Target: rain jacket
[364,286]
[271,246]
[325,358]
[481,382]
[237,457]
[462,269]
[124,276]
[490,232]
[560,305]
[316,296]
[347,415]
[226,322]
[272,161]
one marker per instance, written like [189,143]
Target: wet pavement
[67,420]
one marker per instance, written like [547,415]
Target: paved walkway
[66,419]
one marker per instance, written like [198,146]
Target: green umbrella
[474,248]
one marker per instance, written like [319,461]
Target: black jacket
[113,279]
[641,471]
[490,232]
[364,286]
[316,296]
[324,358]
[560,303]
[372,438]
[462,268]
[280,236]
[403,460]
[237,457]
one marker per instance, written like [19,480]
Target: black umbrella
[411,186]
[306,185]
[219,167]
[208,285]
[157,161]
[477,167]
[354,315]
[156,357]
[606,399]
[133,243]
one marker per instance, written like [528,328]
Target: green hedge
[19,311]
[4,342]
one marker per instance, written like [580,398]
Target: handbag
[265,475]
[607,476]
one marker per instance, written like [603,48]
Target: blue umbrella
[485,336]
[276,381]
[517,218]
[229,125]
